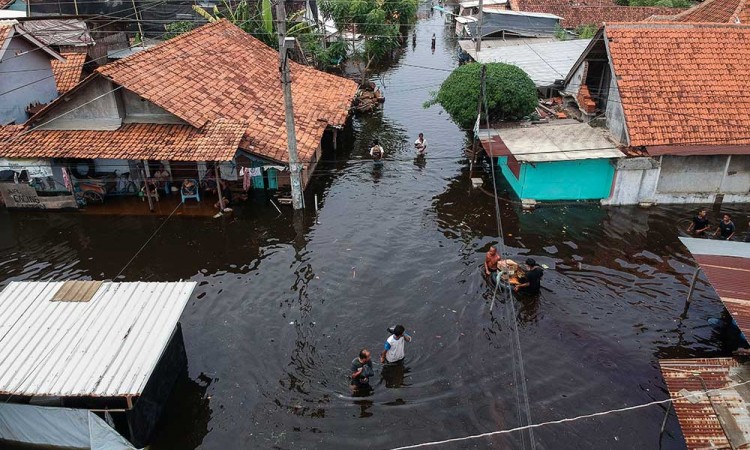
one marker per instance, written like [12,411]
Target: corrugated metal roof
[727,267]
[556,141]
[545,62]
[108,346]
[721,421]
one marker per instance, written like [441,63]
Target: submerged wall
[681,180]
[585,179]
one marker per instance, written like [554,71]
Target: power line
[679,396]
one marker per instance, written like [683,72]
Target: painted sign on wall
[23,196]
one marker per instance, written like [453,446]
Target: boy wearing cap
[532,281]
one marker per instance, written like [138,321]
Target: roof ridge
[736,13]
[700,6]
[675,25]
[158,46]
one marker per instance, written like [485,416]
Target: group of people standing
[530,282]
[725,230]
[377,152]
[392,358]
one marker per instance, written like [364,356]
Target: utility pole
[286,82]
[479,27]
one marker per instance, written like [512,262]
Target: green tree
[175,29]
[510,93]
[257,21]
[380,22]
[586,31]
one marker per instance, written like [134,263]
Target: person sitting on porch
[163,179]
[189,187]
[149,189]
[226,196]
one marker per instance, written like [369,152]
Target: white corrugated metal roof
[717,247]
[545,62]
[475,3]
[566,141]
[108,346]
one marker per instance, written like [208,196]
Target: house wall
[577,80]
[586,179]
[94,107]
[24,80]
[681,180]
[615,115]
[140,110]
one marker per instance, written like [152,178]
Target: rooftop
[69,72]
[545,62]
[593,12]
[107,346]
[678,82]
[59,32]
[720,419]
[716,11]
[219,71]
[564,140]
[216,141]
[726,264]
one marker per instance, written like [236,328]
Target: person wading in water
[377,152]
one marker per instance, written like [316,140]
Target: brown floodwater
[282,306]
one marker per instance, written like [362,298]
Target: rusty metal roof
[727,267]
[719,419]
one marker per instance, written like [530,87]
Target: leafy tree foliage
[511,94]
[379,21]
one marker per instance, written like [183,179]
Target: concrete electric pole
[480,17]
[286,82]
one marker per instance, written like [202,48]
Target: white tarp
[58,428]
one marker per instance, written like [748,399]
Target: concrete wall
[94,107]
[585,179]
[615,115]
[681,180]
[24,80]
[140,110]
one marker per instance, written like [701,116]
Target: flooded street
[281,308]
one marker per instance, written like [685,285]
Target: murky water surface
[281,308]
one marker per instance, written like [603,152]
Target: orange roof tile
[218,70]
[5,31]
[715,11]
[216,141]
[69,72]
[682,83]
[590,12]
[4,3]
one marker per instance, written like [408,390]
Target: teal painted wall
[585,179]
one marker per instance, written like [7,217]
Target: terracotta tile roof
[4,3]
[716,11]
[69,72]
[216,141]
[218,70]
[681,83]
[5,31]
[592,12]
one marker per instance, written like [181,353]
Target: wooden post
[690,292]
[335,137]
[480,16]
[218,185]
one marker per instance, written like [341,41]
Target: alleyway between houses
[282,307]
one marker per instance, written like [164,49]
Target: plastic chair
[190,192]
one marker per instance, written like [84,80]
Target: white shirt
[424,145]
[394,349]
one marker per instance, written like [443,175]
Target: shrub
[511,94]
